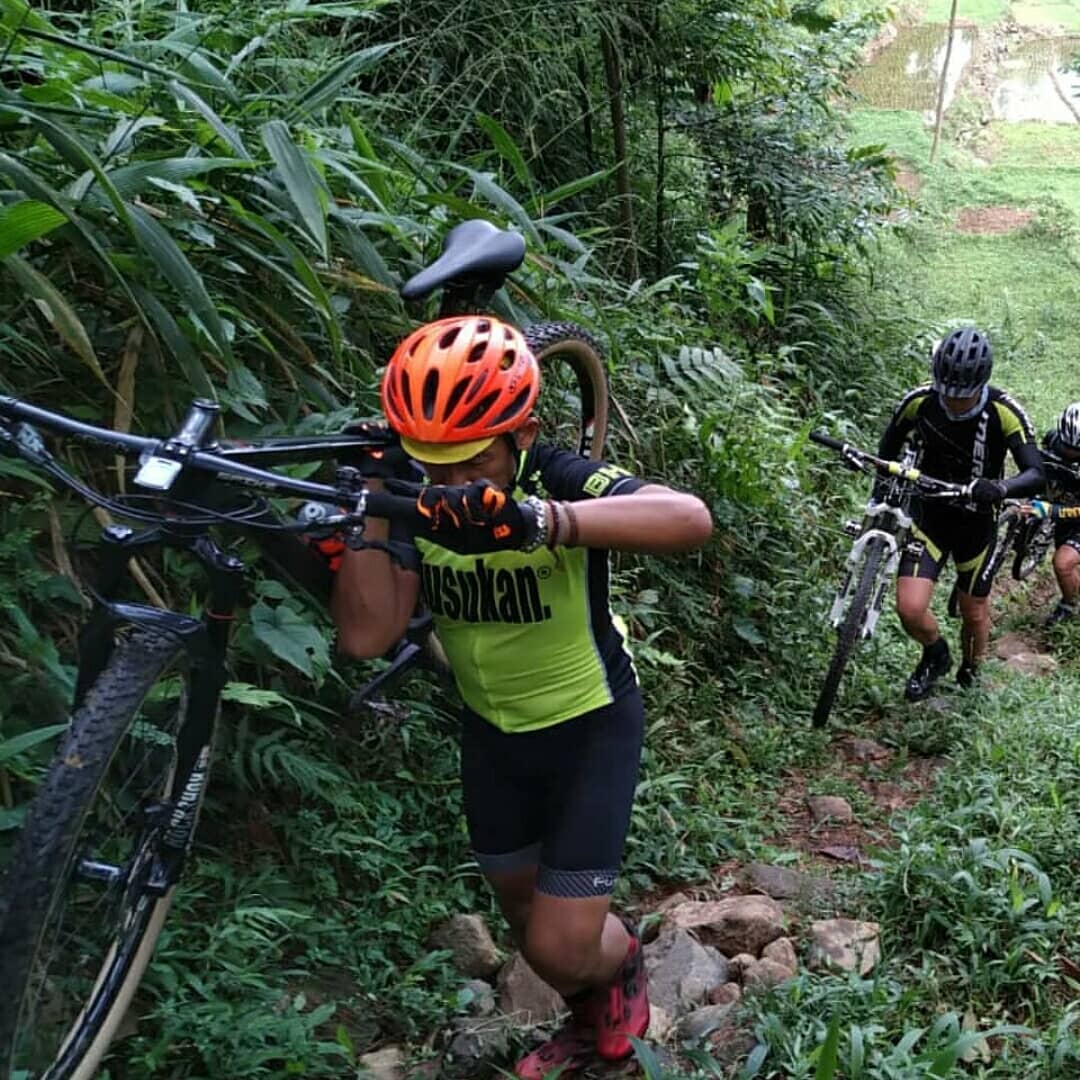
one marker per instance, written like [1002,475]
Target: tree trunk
[659,75]
[613,77]
[944,83]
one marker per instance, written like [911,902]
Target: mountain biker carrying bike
[963,428]
[513,565]
[1062,461]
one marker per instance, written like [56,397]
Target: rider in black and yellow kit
[963,428]
[513,564]
[1061,452]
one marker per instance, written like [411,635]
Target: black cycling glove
[479,518]
[986,492]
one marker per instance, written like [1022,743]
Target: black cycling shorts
[558,798]
[941,532]
[1067,534]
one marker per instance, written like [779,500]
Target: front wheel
[850,628]
[83,905]
[1034,541]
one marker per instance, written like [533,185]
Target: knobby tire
[849,630]
[45,860]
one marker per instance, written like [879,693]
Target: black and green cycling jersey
[531,638]
[959,450]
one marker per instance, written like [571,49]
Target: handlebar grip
[826,440]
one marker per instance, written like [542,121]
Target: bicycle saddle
[474,251]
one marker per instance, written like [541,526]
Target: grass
[982,12]
[1047,13]
[1022,145]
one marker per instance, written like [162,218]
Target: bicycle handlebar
[863,458]
[375,503]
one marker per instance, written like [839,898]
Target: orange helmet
[453,385]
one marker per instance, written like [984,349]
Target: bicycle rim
[81,924]
[848,635]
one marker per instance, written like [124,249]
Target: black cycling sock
[935,649]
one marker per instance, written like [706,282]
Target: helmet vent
[479,410]
[507,360]
[456,395]
[476,353]
[448,339]
[514,408]
[431,392]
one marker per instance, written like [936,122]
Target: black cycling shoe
[935,662]
[1062,612]
[967,675]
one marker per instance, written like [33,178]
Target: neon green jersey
[530,637]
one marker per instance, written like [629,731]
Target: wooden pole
[944,83]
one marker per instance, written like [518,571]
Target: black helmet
[962,363]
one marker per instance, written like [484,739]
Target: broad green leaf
[506,147]
[324,90]
[225,132]
[363,252]
[362,145]
[122,135]
[163,250]
[26,221]
[17,14]
[114,82]
[745,629]
[334,10]
[354,180]
[28,740]
[97,50]
[289,638]
[13,819]
[58,311]
[257,698]
[203,71]
[302,184]
[29,183]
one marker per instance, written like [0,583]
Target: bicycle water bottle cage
[476,256]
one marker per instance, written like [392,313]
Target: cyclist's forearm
[372,598]
[653,519]
[1029,482]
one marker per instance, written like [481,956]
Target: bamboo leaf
[826,1066]
[17,14]
[159,245]
[325,89]
[302,184]
[24,222]
[503,200]
[506,147]
[224,132]
[101,53]
[28,740]
[58,311]
[70,147]
[182,350]
[362,145]
[130,180]
[541,205]
[204,73]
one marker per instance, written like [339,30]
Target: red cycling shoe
[572,1046]
[626,1009]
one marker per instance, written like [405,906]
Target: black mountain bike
[106,837]
[879,541]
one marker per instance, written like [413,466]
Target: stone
[473,1043]
[524,996]
[762,974]
[385,1064]
[682,971]
[470,942]
[783,883]
[661,1023]
[782,951]
[824,808]
[701,1022]
[735,924]
[728,994]
[742,963]
[866,750]
[844,945]
[889,795]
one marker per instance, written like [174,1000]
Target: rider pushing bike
[1061,446]
[513,564]
[962,427]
